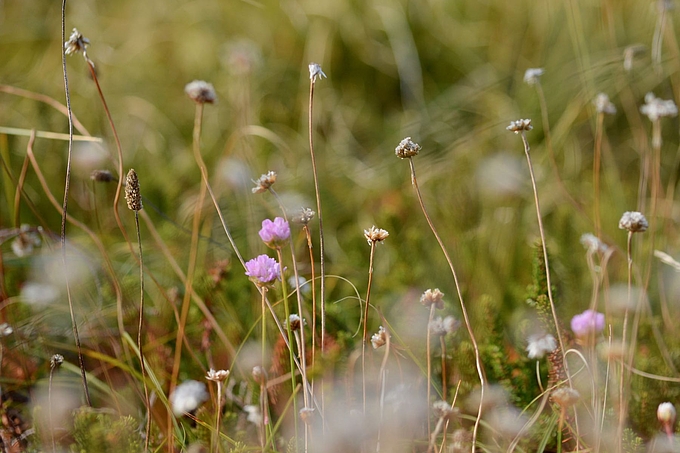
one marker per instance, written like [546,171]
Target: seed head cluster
[433,297]
[76,43]
[132,194]
[375,235]
[407,148]
[264,182]
[520,126]
[201,92]
[634,222]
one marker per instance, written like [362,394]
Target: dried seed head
[306,415]
[433,296]
[375,235]
[217,375]
[303,216]
[565,397]
[540,345]
[295,322]
[603,104]
[201,92]
[132,194]
[57,359]
[315,72]
[532,74]
[259,374]
[633,221]
[593,244]
[442,409]
[441,327]
[407,148]
[26,240]
[379,339]
[265,182]
[101,176]
[520,126]
[6,330]
[76,43]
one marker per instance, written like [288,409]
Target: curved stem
[466,318]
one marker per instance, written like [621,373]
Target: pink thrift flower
[263,270]
[587,322]
[276,233]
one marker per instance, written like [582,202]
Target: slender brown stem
[64,210]
[466,318]
[597,157]
[429,363]
[442,341]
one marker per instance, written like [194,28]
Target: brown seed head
[101,176]
[201,92]
[265,182]
[432,296]
[407,148]
[132,194]
[633,221]
[374,235]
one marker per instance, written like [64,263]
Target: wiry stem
[67,185]
[597,156]
[545,254]
[322,261]
[466,318]
[365,320]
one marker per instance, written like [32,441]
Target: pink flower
[276,233]
[587,322]
[263,270]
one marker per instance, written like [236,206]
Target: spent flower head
[101,176]
[263,270]
[303,216]
[315,72]
[433,297]
[276,233]
[56,360]
[531,75]
[603,104]
[259,374]
[666,413]
[217,375]
[76,43]
[407,148]
[656,108]
[307,415]
[201,92]
[565,397]
[540,345]
[633,221]
[26,241]
[375,235]
[254,414]
[295,322]
[520,126]
[593,244]
[586,323]
[441,327]
[379,339]
[264,182]
[442,409]
[6,330]
[187,397]
[132,194]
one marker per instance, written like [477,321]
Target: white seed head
[540,345]
[201,92]
[633,221]
[315,72]
[264,182]
[433,296]
[217,375]
[407,148]
[532,74]
[656,108]
[604,105]
[520,125]
[375,235]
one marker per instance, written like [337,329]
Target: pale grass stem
[428,353]
[381,386]
[193,254]
[365,322]
[466,318]
[64,210]
[55,362]
[597,158]
[322,261]
[623,401]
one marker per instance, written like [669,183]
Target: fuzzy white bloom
[315,72]
[379,339]
[441,327]
[540,345]
[656,108]
[217,375]
[374,234]
[633,221]
[532,74]
[603,104]
[6,329]
[254,414]
[187,397]
[201,92]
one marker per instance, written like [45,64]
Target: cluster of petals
[588,322]
[263,270]
[275,233]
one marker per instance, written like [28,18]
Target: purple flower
[263,270]
[587,322]
[276,233]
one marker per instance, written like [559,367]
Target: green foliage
[105,432]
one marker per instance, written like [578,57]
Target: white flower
[666,413]
[187,397]
[374,234]
[217,376]
[315,72]
[76,43]
[633,221]
[532,74]
[379,339]
[6,329]
[540,344]
[201,92]
[603,104]
[656,108]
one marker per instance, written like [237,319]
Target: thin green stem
[365,321]
[140,334]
